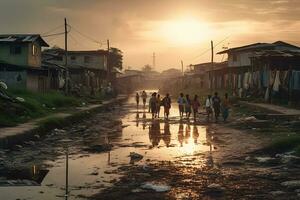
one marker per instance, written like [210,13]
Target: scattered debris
[291,184]
[20,99]
[277,193]
[134,157]
[264,159]
[156,187]
[215,188]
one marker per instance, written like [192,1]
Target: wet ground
[186,160]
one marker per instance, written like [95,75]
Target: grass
[35,105]
[285,144]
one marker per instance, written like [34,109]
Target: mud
[115,154]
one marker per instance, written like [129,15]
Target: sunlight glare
[185,31]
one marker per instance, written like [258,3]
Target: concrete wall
[14,79]
[14,59]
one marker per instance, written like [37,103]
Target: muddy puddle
[97,148]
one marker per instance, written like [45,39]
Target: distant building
[171,73]
[203,74]
[20,61]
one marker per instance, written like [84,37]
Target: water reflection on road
[155,139]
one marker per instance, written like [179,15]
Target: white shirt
[208,103]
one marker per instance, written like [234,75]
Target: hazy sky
[174,29]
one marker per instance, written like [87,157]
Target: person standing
[167,105]
[195,106]
[144,97]
[158,104]
[188,106]
[137,99]
[208,107]
[181,102]
[153,105]
[216,105]
[225,107]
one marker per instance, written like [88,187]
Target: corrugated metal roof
[276,53]
[259,46]
[20,38]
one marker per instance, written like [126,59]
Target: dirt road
[124,154]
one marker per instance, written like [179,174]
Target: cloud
[125,21]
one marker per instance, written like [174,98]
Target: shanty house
[87,69]
[20,61]
[263,69]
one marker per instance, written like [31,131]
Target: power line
[86,36]
[55,34]
[51,30]
[207,50]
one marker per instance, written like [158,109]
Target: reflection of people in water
[167,134]
[195,134]
[210,160]
[137,118]
[144,120]
[187,133]
[154,133]
[180,134]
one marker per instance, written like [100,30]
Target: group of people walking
[216,106]
[155,103]
[213,105]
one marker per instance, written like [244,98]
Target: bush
[35,105]
[285,144]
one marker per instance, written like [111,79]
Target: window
[73,58]
[34,50]
[234,57]
[15,49]
[87,59]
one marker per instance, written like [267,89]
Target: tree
[147,68]
[115,58]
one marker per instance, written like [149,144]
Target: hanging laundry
[239,81]
[246,80]
[267,94]
[276,81]
[272,77]
[265,77]
[250,79]
[296,80]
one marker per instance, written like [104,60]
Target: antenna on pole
[153,60]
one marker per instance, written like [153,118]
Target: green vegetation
[35,105]
[285,144]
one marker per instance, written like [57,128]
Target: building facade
[20,61]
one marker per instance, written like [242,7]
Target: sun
[185,31]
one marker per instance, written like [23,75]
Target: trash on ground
[156,187]
[134,157]
[214,187]
[294,183]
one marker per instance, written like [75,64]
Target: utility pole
[212,64]
[66,59]
[107,60]
[153,60]
[182,74]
